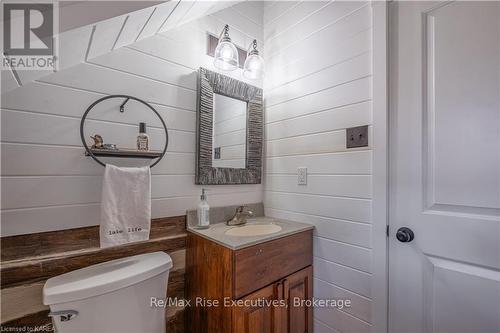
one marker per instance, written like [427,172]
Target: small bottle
[142,138]
[203,212]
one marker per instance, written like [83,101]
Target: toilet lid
[105,277]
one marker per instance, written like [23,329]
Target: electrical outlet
[217,153]
[302,176]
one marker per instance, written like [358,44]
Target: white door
[444,167]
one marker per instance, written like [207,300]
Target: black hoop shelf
[124,153]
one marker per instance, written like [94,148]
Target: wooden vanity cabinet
[278,270]
[293,318]
[298,286]
[248,319]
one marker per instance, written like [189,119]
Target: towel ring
[127,98]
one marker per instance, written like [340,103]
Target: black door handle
[405,235]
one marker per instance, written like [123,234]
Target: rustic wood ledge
[52,243]
[38,269]
[88,251]
[37,257]
[29,260]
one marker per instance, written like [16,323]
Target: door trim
[380,160]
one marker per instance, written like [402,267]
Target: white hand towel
[125,205]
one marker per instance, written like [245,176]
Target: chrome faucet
[240,217]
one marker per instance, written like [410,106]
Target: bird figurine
[98,141]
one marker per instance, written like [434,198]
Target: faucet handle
[239,216]
[241,209]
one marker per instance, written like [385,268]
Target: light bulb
[226,55]
[254,66]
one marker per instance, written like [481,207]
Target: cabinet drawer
[259,265]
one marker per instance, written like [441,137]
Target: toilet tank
[111,297]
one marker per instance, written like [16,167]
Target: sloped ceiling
[119,23]
[75,14]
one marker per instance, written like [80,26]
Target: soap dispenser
[203,212]
[142,138]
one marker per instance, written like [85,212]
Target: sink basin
[253,230]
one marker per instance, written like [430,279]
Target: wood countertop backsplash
[27,261]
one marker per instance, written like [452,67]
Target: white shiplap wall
[318,83]
[48,183]
[85,42]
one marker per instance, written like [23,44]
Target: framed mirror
[229,131]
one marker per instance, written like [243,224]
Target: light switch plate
[357,137]
[302,176]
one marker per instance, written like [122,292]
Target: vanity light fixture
[226,55]
[254,64]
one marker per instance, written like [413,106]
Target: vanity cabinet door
[297,288]
[253,318]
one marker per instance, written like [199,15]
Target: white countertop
[217,232]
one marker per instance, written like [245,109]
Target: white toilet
[112,297]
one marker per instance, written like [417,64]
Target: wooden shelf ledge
[125,153]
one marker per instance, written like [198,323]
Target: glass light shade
[254,67]
[226,56]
